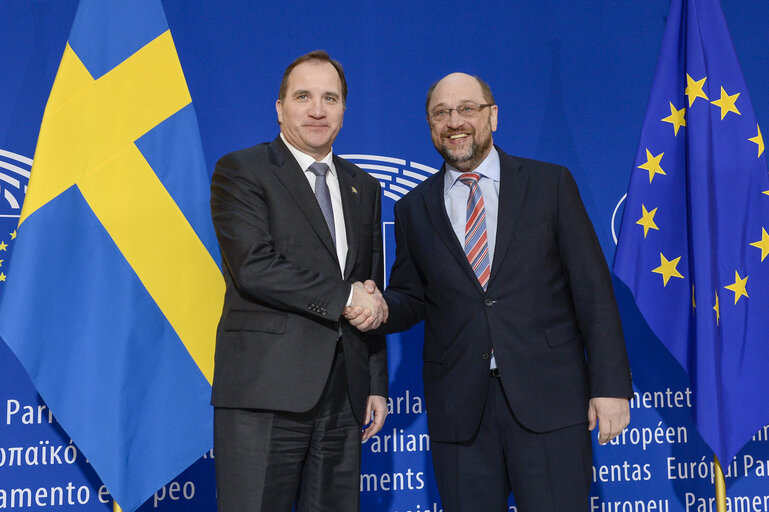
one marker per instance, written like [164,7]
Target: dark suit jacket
[549,303]
[285,293]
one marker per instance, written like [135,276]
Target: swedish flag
[693,244]
[114,291]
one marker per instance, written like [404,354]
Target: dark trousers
[271,461]
[546,472]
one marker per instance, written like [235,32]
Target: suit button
[489,302]
[485,356]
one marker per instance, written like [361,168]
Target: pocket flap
[562,333]
[259,321]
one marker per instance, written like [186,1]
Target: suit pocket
[562,333]
[257,321]
[531,231]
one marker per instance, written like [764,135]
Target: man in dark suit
[293,382]
[523,350]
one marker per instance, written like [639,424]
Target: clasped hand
[368,309]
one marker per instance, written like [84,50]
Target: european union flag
[114,291]
[693,244]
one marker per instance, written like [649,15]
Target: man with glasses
[523,350]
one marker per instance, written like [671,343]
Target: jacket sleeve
[592,295]
[404,293]
[377,348]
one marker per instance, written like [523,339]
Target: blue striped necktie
[319,169]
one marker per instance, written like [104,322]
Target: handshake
[368,309]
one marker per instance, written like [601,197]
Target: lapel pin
[354,190]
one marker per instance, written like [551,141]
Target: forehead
[315,74]
[456,89]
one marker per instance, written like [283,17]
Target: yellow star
[759,140]
[676,118]
[738,287]
[717,310]
[668,269]
[762,244]
[647,220]
[652,165]
[726,103]
[13,235]
[3,245]
[2,276]
[765,192]
[694,89]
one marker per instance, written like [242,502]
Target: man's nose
[455,120]
[317,108]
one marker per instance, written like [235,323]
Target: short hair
[318,56]
[485,90]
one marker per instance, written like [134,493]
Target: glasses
[467,110]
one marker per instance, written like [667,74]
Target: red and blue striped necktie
[476,237]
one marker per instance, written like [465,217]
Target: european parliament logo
[14,177]
[396,175]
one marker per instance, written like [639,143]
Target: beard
[467,159]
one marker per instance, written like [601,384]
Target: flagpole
[720,486]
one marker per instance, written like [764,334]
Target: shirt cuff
[349,298]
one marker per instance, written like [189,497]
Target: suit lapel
[436,211]
[512,190]
[292,177]
[351,210]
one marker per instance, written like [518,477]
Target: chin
[456,159]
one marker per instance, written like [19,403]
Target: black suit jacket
[285,293]
[549,310]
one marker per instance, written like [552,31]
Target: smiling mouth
[458,136]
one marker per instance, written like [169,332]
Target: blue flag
[693,244]
[114,292]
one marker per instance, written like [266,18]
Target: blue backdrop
[571,79]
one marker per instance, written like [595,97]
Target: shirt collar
[305,160]
[488,168]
